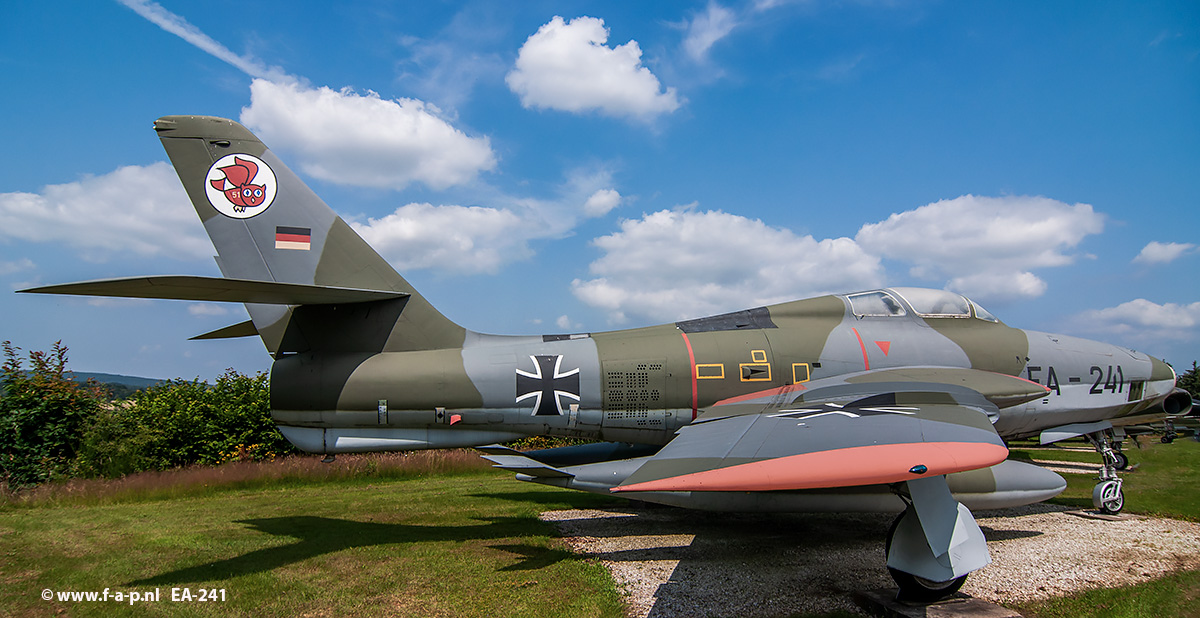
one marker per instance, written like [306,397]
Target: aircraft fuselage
[641,385]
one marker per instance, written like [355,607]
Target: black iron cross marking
[547,386]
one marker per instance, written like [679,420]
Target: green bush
[42,414]
[51,427]
[182,423]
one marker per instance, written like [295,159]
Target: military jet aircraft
[891,400]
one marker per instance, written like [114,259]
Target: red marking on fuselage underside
[692,362]
[847,467]
[884,346]
[866,363]
[1044,387]
[770,392]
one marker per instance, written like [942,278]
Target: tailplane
[309,282]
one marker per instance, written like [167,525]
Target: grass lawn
[1165,483]
[458,544]
[428,536]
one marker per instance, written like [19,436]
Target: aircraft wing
[217,289]
[840,436]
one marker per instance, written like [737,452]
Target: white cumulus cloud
[467,239]
[601,202]
[670,265]
[477,239]
[134,209]
[364,140]
[1141,318]
[567,66]
[985,247]
[1163,252]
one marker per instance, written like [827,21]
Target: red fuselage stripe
[866,363]
[692,360]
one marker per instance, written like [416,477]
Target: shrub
[42,413]
[182,423]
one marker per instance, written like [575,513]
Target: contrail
[180,27]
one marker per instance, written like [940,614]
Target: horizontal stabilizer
[513,461]
[241,329]
[218,289]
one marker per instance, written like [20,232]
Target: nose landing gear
[1107,496]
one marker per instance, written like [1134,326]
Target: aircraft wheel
[1108,497]
[1167,439]
[1122,461]
[915,589]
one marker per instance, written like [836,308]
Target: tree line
[52,427]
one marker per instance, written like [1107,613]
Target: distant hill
[112,378]
[119,386]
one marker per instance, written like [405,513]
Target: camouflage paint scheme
[886,400]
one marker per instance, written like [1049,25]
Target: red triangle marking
[884,345]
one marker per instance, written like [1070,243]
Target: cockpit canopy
[895,302]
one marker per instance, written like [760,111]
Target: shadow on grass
[323,535]
[535,557]
[1020,455]
[556,498]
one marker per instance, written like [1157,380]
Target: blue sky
[551,167]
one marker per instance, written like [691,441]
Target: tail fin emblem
[241,186]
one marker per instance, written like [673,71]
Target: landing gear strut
[1122,459]
[914,589]
[1169,435]
[1107,495]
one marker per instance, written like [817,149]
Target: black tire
[1167,439]
[1122,460]
[915,589]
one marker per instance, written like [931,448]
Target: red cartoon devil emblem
[240,186]
[237,187]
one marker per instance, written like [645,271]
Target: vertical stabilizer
[267,225]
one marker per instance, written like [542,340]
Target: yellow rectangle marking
[759,356]
[710,371]
[800,373]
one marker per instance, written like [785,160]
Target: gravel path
[674,562]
